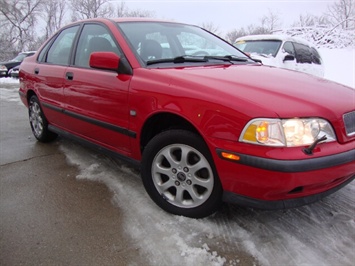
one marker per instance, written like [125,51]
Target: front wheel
[38,121]
[179,175]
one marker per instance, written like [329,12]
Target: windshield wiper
[177,60]
[194,59]
[227,58]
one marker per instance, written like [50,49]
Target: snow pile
[339,65]
[8,81]
[164,239]
[318,234]
[322,37]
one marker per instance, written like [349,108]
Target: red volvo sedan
[203,121]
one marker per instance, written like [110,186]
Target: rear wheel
[179,175]
[38,121]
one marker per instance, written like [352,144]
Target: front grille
[349,121]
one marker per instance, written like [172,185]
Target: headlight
[3,68]
[286,132]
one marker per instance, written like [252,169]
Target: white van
[283,51]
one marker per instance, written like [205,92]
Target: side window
[42,54]
[93,38]
[316,59]
[288,48]
[60,50]
[303,53]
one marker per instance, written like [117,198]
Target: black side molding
[293,166]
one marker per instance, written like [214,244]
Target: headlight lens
[3,68]
[286,132]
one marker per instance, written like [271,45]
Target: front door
[97,104]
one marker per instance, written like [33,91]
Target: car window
[194,44]
[288,48]
[150,38]
[263,47]
[157,40]
[316,59]
[303,53]
[43,52]
[19,58]
[60,50]
[93,38]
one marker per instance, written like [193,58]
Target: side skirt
[134,163]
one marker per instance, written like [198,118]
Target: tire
[38,121]
[179,174]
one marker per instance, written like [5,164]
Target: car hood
[268,60]
[262,91]
[10,63]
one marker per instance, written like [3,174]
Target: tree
[84,9]
[19,18]
[309,20]
[7,43]
[342,13]
[234,34]
[53,15]
[123,11]
[255,30]
[270,22]
[211,27]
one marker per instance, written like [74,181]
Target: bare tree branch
[343,12]
[84,9]
[54,12]
[210,26]
[123,11]
[21,16]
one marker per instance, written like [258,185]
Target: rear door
[49,73]
[97,104]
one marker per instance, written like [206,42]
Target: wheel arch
[162,122]
[30,93]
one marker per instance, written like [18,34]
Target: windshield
[19,58]
[262,47]
[154,41]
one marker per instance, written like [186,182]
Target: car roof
[276,37]
[128,19]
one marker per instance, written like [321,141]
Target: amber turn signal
[230,156]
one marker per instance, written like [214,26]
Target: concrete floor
[47,217]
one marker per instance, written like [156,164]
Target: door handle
[69,75]
[36,71]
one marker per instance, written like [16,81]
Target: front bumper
[277,184]
[281,204]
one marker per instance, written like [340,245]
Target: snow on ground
[339,65]
[319,234]
[10,93]
[8,81]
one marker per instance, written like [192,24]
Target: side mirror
[104,60]
[289,58]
